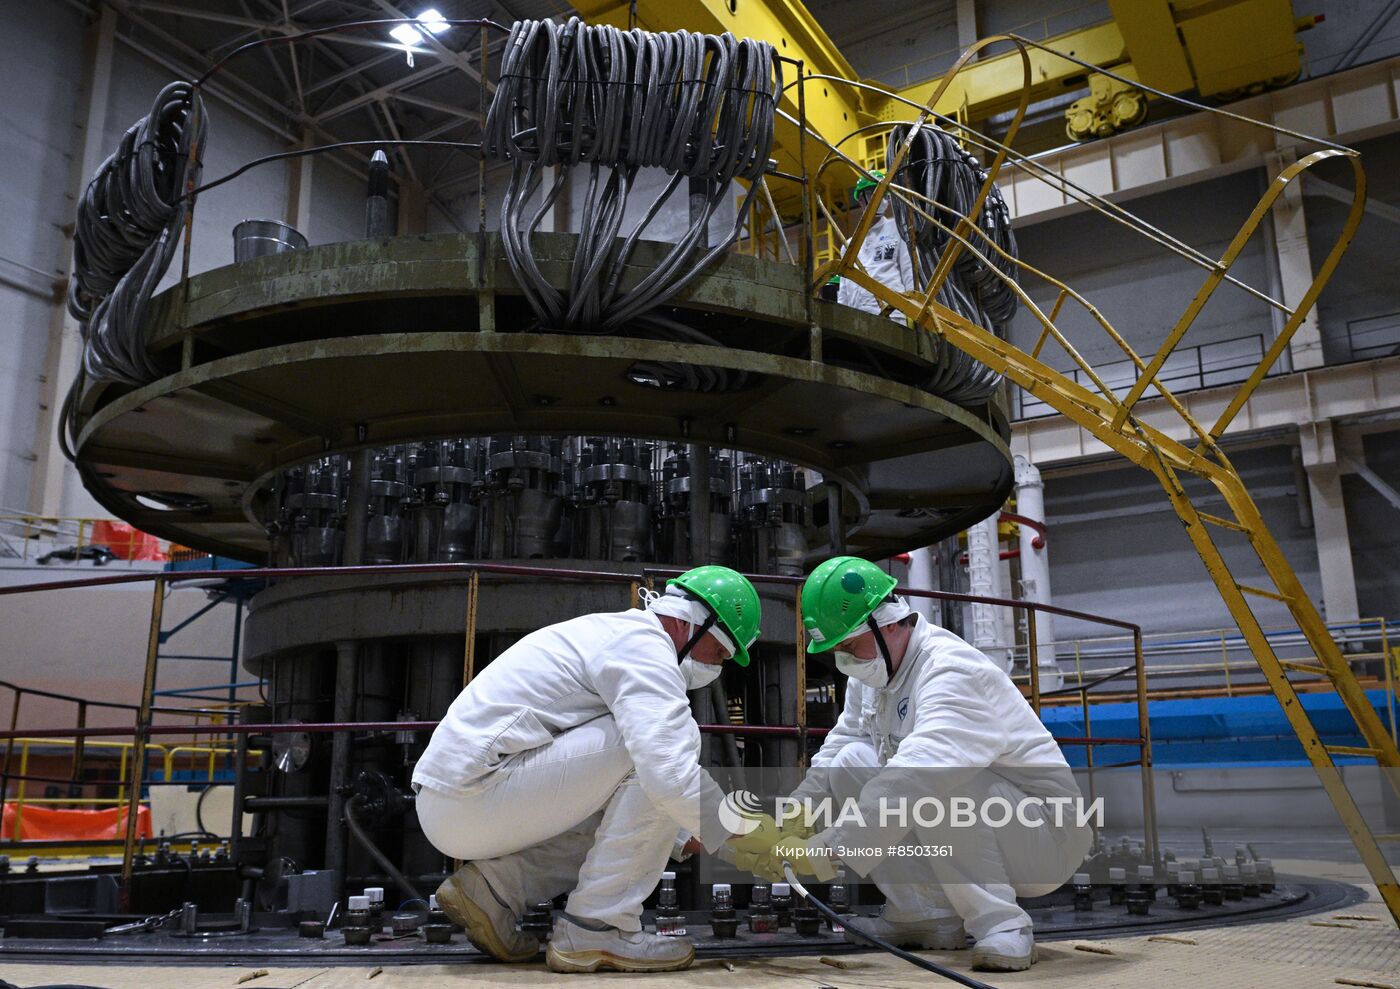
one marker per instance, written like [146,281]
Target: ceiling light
[433,21]
[406,35]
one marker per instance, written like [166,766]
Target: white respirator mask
[677,604]
[874,673]
[698,674]
[871,672]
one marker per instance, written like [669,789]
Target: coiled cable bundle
[581,95]
[128,228]
[938,168]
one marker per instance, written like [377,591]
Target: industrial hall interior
[812,494]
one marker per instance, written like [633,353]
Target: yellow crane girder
[832,109]
[1214,47]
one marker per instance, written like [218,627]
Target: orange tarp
[126,541]
[39,823]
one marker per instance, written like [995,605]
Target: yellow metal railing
[1111,418]
[79,530]
[125,769]
[1224,642]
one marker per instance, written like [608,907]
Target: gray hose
[379,857]
[592,96]
[913,959]
[128,229]
[938,168]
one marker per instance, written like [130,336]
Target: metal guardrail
[1223,362]
[79,745]
[73,532]
[145,729]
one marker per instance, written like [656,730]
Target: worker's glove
[806,857]
[761,839]
[796,826]
[761,864]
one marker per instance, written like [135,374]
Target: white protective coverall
[886,259]
[569,763]
[950,722]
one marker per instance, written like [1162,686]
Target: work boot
[1004,951]
[937,934]
[469,901]
[575,948]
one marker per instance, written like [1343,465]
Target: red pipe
[175,577]
[1039,541]
[327,727]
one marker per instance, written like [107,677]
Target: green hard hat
[866,182]
[839,596]
[732,599]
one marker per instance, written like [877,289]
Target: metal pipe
[469,651]
[1368,35]
[379,857]
[800,640]
[141,734]
[1032,662]
[343,706]
[329,727]
[516,570]
[836,524]
[700,549]
[720,699]
[377,202]
[256,804]
[1149,796]
[1035,563]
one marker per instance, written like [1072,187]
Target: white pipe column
[1335,569]
[984,576]
[1035,568]
[921,578]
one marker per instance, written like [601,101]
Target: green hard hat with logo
[866,182]
[839,596]
[731,598]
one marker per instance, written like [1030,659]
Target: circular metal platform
[370,343]
[282,946]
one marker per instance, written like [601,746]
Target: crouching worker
[929,720]
[569,764]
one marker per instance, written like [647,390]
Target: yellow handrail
[168,755]
[78,527]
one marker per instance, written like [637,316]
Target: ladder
[1109,418]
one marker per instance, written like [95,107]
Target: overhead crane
[1216,49]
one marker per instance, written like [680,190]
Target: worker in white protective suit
[570,763]
[928,717]
[883,254]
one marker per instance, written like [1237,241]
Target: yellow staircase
[1110,419]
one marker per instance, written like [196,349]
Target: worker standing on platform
[571,761]
[883,254]
[928,716]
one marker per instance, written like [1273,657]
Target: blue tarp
[1212,731]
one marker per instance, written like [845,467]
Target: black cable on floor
[910,957]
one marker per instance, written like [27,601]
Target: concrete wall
[41,60]
[1140,287]
[1374,524]
[1117,548]
[91,642]
[1363,289]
